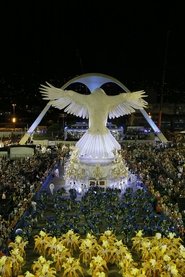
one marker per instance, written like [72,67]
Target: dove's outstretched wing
[126,103]
[72,102]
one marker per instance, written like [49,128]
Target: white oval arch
[95,80]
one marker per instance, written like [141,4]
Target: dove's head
[99,91]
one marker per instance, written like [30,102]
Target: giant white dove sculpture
[97,143]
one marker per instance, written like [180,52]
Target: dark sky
[126,41]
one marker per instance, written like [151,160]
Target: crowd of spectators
[20,180]
[161,167]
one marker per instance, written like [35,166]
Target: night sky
[126,41]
